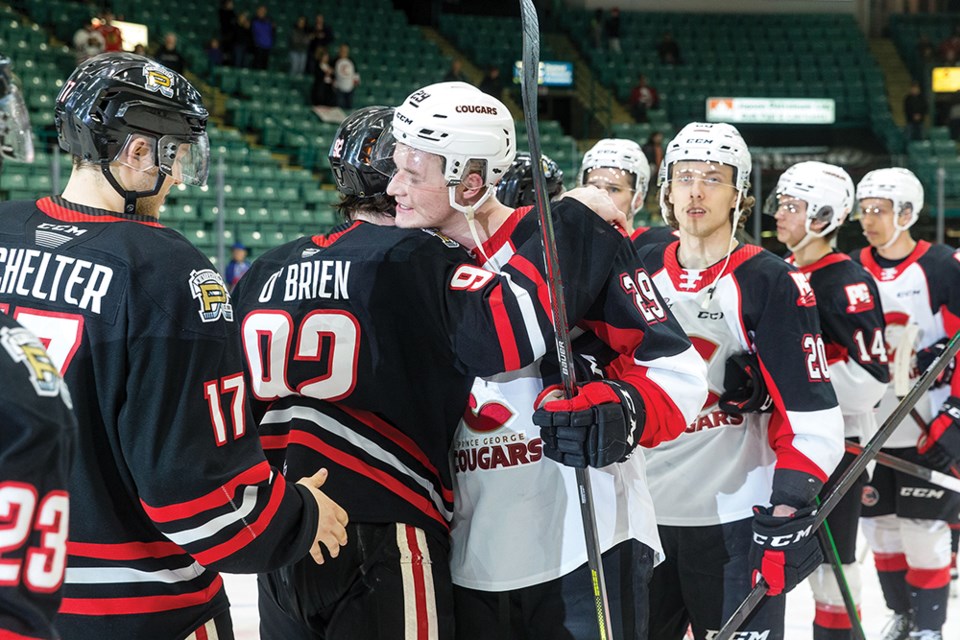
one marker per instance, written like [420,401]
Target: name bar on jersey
[52,277]
[309,280]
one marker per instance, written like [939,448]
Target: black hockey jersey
[170,483]
[37,440]
[364,344]
[642,236]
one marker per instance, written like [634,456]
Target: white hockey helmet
[625,155]
[716,142]
[827,189]
[900,186]
[459,122]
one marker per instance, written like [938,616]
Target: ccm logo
[741,635]
[776,542]
[921,492]
[467,278]
[475,108]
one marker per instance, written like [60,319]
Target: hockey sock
[826,633]
[929,595]
[892,571]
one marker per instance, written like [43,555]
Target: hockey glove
[940,445]
[601,425]
[744,388]
[785,550]
[925,358]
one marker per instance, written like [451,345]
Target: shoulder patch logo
[206,286]
[858,297]
[26,349]
[449,242]
[807,298]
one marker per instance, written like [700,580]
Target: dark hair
[350,206]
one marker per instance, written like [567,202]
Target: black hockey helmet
[16,138]
[515,189]
[351,152]
[113,97]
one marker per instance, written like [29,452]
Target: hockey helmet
[827,189]
[719,143]
[900,186]
[625,155]
[351,152]
[113,97]
[516,187]
[16,137]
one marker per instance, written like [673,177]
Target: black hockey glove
[925,358]
[940,445]
[785,549]
[601,425]
[744,388]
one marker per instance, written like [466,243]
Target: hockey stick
[833,556]
[932,476]
[850,476]
[528,89]
[903,359]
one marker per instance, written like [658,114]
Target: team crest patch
[858,295]
[158,80]
[206,286]
[449,242]
[870,496]
[27,350]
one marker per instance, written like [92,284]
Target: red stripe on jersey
[123,550]
[380,477]
[682,279]
[501,321]
[52,209]
[398,438]
[830,617]
[502,235]
[621,340]
[272,443]
[325,241]
[890,561]
[928,578]
[419,583]
[825,261]
[201,633]
[10,635]
[883,274]
[249,532]
[139,604]
[526,267]
[664,420]
[216,498]
[639,231]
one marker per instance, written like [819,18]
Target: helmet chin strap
[896,234]
[468,211]
[733,236]
[130,197]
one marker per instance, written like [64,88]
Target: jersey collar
[326,240]
[501,236]
[825,261]
[65,211]
[885,274]
[693,280]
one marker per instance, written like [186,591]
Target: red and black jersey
[362,346]
[170,484]
[643,236]
[37,439]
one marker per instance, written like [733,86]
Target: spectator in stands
[642,98]
[596,28]
[669,50]
[491,83]
[228,26]
[140,50]
[242,41]
[321,37]
[237,266]
[322,91]
[112,38]
[653,150]
[214,53]
[925,51]
[299,44]
[915,111]
[950,48]
[263,32]
[345,78]
[455,72]
[87,42]
[953,117]
[612,30]
[168,55]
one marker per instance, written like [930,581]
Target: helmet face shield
[410,167]
[186,161]
[16,137]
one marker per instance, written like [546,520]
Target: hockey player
[518,554]
[170,484]
[516,187]
[906,519]
[400,304]
[37,441]
[771,416]
[812,200]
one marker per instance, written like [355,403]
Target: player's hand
[940,445]
[785,550]
[600,202]
[600,426]
[925,358]
[331,526]
[744,388]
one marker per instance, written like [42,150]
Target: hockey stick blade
[528,90]
[850,476]
[911,468]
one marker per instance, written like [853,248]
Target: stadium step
[895,74]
